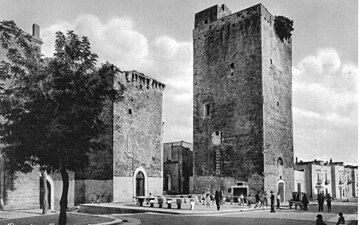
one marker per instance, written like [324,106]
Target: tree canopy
[51,107]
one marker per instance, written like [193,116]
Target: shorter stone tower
[137,138]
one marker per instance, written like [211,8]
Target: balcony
[349,182]
[327,182]
[319,182]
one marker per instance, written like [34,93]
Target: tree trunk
[63,201]
[44,192]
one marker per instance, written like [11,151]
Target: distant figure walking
[265,199]
[341,219]
[241,199]
[258,200]
[278,200]
[329,202]
[272,198]
[305,202]
[218,199]
[319,220]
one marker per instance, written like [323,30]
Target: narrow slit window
[232,69]
[207,109]
[130,111]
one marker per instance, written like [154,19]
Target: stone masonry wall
[277,107]
[138,126]
[227,76]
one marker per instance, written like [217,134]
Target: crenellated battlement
[144,82]
[222,14]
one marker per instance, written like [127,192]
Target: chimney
[36,30]
[296,160]
[330,161]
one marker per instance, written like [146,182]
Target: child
[208,200]
[341,219]
[192,202]
[320,220]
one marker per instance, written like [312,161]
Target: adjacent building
[334,178]
[242,109]
[177,167]
[317,176]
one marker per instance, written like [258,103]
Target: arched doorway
[281,190]
[140,184]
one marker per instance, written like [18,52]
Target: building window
[277,103]
[130,111]
[280,161]
[207,109]
[217,138]
[232,69]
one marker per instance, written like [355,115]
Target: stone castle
[129,165]
[242,109]
[242,134]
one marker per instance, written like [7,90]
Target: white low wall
[124,188]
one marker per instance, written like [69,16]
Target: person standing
[320,202]
[305,202]
[208,200]
[272,198]
[329,202]
[241,199]
[218,199]
[258,201]
[265,199]
[278,200]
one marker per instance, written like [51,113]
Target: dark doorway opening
[281,191]
[140,184]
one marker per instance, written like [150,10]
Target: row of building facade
[310,177]
[334,178]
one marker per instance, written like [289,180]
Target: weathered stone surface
[243,71]
[138,126]
[177,167]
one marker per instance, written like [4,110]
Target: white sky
[155,37]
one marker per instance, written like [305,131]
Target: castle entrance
[140,184]
[281,190]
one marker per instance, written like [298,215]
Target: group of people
[320,221]
[321,199]
[217,197]
[261,200]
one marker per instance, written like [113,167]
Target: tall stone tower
[242,106]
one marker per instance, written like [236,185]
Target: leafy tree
[52,106]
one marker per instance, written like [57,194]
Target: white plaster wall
[123,189]
[299,177]
[155,186]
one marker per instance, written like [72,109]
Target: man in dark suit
[218,198]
